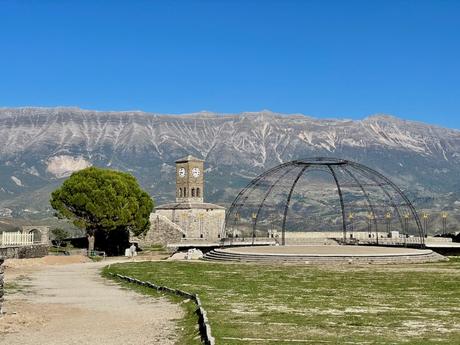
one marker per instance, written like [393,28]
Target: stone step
[221,256]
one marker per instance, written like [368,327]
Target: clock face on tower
[182,172]
[196,172]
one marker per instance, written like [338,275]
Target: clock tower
[189,221]
[189,179]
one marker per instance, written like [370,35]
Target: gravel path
[72,304]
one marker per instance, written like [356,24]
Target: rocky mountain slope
[41,146]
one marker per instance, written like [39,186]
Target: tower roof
[189,158]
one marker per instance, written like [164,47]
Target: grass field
[262,304]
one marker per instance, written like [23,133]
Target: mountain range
[39,147]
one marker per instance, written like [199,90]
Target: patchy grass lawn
[263,304]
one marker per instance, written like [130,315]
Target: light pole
[254,219]
[237,222]
[388,219]
[370,219]
[444,223]
[350,218]
[406,223]
[406,227]
[425,223]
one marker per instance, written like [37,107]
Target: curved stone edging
[2,276]
[223,255]
[408,252]
[203,322]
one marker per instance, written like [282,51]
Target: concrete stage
[323,254]
[444,248]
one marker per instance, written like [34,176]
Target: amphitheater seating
[221,255]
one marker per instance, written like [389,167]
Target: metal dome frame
[355,172]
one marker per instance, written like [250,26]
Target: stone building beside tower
[189,220]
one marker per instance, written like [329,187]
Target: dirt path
[72,304]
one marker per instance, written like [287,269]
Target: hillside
[41,146]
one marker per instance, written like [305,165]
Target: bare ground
[65,301]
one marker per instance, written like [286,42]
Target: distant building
[41,234]
[189,219]
[25,236]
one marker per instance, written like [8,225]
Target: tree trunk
[90,243]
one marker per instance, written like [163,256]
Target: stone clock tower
[189,180]
[189,221]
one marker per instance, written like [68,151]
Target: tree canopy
[59,235]
[103,199]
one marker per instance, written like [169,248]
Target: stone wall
[174,226]
[311,236]
[162,231]
[1,284]
[24,252]
[203,224]
[42,233]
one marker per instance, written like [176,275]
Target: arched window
[180,192]
[185,192]
[198,192]
[193,192]
[37,235]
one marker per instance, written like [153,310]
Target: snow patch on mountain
[63,166]
[33,171]
[17,181]
[6,212]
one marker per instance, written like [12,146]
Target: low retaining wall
[1,284]
[203,323]
[24,252]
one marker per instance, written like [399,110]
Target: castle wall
[24,252]
[174,226]
[197,223]
[42,230]
[162,231]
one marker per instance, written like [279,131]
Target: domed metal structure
[314,198]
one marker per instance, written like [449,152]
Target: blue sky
[322,58]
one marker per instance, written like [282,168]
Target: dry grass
[260,304]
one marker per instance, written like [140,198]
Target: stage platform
[323,254]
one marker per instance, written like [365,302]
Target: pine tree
[102,199]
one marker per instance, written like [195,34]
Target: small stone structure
[189,219]
[41,233]
[1,283]
[37,249]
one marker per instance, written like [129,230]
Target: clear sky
[321,58]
